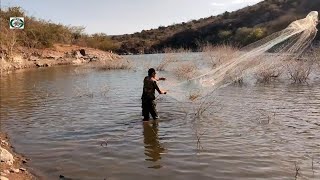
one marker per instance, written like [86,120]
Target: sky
[124,16]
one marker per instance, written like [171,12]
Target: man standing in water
[148,96]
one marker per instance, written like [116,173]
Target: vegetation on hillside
[241,27]
[41,34]
[237,28]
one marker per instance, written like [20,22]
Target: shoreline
[59,55]
[13,165]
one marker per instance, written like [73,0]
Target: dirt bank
[12,165]
[60,54]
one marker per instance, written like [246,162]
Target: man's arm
[161,79]
[158,89]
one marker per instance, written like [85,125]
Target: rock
[39,64]
[18,58]
[3,142]
[23,169]
[62,177]
[6,171]
[13,170]
[33,58]
[3,178]
[82,52]
[6,156]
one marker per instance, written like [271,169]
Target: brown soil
[59,54]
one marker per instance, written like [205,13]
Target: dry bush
[204,107]
[216,55]
[315,57]
[299,70]
[234,76]
[81,71]
[183,50]
[104,90]
[238,81]
[168,50]
[180,50]
[83,91]
[8,44]
[168,58]
[4,66]
[266,117]
[186,71]
[199,136]
[113,64]
[194,95]
[268,74]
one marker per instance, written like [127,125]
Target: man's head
[151,72]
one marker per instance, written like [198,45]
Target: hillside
[239,28]
[43,43]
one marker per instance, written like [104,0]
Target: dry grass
[113,64]
[83,91]
[217,55]
[266,117]
[194,95]
[180,50]
[186,71]
[87,91]
[168,58]
[199,136]
[104,90]
[267,74]
[297,168]
[4,66]
[299,70]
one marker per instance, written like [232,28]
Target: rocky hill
[238,28]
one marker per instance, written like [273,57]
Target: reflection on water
[153,148]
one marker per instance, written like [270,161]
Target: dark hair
[150,71]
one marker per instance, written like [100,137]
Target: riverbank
[12,164]
[59,54]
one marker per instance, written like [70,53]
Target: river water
[86,124]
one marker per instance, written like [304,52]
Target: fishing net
[286,45]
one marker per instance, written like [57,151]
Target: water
[86,124]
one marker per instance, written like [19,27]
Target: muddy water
[86,124]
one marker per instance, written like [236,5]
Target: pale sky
[124,16]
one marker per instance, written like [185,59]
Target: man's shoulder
[150,79]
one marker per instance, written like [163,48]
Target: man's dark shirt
[149,87]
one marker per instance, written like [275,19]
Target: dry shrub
[238,81]
[8,43]
[299,70]
[83,91]
[81,71]
[4,65]
[180,50]
[217,55]
[113,64]
[194,95]
[234,76]
[186,71]
[183,50]
[203,107]
[267,74]
[316,57]
[168,58]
